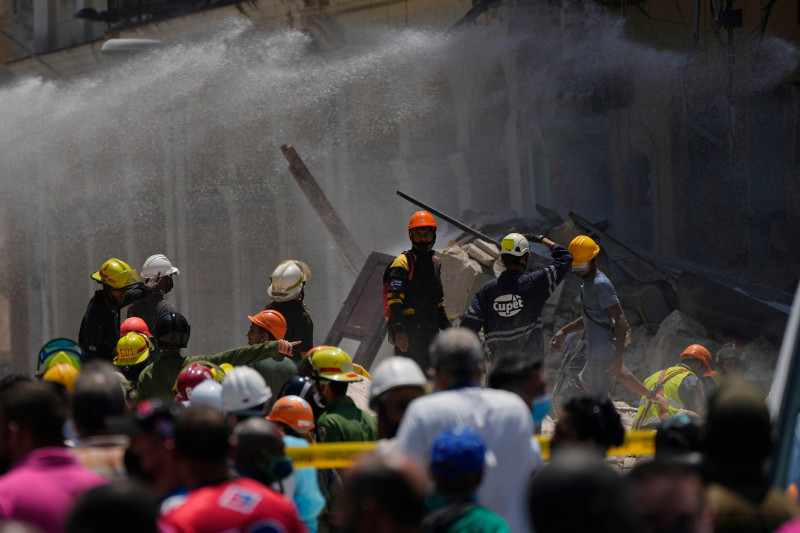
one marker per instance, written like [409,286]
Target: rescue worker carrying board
[680,385]
[413,293]
[509,308]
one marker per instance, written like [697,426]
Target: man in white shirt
[500,417]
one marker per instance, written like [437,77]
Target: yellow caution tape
[341,454]
[636,443]
[330,455]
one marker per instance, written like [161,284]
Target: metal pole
[344,241]
[451,220]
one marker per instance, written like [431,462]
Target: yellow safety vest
[666,383]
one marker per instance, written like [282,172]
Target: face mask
[540,407]
[280,467]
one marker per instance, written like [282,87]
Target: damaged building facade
[675,130]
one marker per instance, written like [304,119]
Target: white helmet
[209,393]
[392,373]
[515,244]
[158,263]
[287,280]
[243,390]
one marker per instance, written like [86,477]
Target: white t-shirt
[504,422]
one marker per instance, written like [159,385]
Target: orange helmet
[293,411]
[698,352]
[422,219]
[271,321]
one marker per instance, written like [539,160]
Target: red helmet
[271,321]
[701,353]
[421,219]
[189,378]
[134,324]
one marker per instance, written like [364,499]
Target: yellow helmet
[333,363]
[59,357]
[132,349]
[583,250]
[117,274]
[63,373]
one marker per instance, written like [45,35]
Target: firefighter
[679,384]
[414,293]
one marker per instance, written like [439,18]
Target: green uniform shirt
[473,519]
[276,371]
[344,422]
[157,379]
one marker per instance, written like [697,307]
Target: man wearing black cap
[456,467]
[500,417]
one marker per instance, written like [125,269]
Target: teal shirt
[344,422]
[157,379]
[474,519]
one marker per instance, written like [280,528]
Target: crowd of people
[124,430]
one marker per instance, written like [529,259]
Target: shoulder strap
[410,257]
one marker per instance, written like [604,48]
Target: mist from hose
[177,152]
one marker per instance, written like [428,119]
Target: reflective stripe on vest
[669,384]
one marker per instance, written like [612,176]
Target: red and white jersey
[237,506]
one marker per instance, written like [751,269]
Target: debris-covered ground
[669,305]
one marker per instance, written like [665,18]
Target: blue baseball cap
[457,452]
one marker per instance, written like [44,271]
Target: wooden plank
[361,317]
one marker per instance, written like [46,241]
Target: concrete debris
[482,257]
[359,392]
[488,247]
[663,324]
[462,276]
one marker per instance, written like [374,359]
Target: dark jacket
[418,298]
[99,331]
[149,309]
[299,326]
[509,308]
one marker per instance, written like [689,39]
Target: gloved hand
[534,237]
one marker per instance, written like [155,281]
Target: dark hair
[339,388]
[578,492]
[391,490]
[596,418]
[37,408]
[12,379]
[128,506]
[201,433]
[509,259]
[98,395]
[513,370]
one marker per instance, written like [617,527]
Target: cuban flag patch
[239,499]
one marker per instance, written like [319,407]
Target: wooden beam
[344,241]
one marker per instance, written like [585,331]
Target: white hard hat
[515,244]
[158,263]
[395,372]
[287,280]
[243,389]
[209,393]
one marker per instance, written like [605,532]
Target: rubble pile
[661,321]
